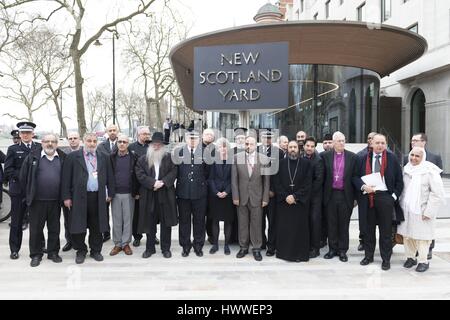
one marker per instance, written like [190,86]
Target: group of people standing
[306,198]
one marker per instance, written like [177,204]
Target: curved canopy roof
[383,49]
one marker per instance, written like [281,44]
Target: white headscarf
[411,194]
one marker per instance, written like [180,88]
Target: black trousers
[107,219]
[338,213]
[67,234]
[18,209]
[270,212]
[166,135]
[192,212]
[93,224]
[324,236]
[315,222]
[136,235]
[166,232]
[209,223]
[362,221]
[216,230]
[40,213]
[380,214]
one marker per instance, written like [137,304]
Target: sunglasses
[122,141]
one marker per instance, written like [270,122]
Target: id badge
[95,174]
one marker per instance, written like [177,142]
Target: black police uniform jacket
[15,157]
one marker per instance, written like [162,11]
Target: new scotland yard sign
[241,77]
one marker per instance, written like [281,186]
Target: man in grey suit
[420,140]
[250,189]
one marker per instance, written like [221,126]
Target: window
[361,12]
[316,15]
[414,28]
[386,10]
[327,9]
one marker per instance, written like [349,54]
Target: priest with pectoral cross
[293,185]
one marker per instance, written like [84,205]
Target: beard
[293,155]
[49,151]
[154,156]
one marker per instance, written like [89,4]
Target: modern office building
[335,69]
[416,97]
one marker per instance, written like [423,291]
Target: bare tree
[132,107]
[24,83]
[76,10]
[148,52]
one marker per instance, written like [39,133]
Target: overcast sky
[204,16]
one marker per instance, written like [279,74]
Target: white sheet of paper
[373,179]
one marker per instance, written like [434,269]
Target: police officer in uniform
[191,193]
[14,159]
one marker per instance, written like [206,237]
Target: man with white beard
[156,174]
[40,177]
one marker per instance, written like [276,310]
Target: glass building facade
[322,99]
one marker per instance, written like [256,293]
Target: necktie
[28,146]
[377,164]
[192,156]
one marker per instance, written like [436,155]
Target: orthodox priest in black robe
[293,185]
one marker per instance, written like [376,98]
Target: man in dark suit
[15,157]
[362,206]
[109,147]
[191,190]
[315,209]
[87,181]
[338,195]
[275,155]
[420,140]
[327,144]
[380,200]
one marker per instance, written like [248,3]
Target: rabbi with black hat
[15,157]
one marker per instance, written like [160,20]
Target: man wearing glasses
[40,178]
[123,165]
[420,140]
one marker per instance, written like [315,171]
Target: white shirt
[383,187]
[43,154]
[156,165]
[166,125]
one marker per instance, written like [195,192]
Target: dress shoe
[361,246]
[385,265]
[270,252]
[226,250]
[242,253]
[314,253]
[366,261]
[147,254]
[185,253]
[257,255]
[127,250]
[67,247]
[422,267]
[115,251]
[14,255]
[343,257]
[167,254]
[330,254]
[106,236]
[44,250]
[136,243]
[199,253]
[409,263]
[81,256]
[55,258]
[97,256]
[214,249]
[156,241]
[35,261]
